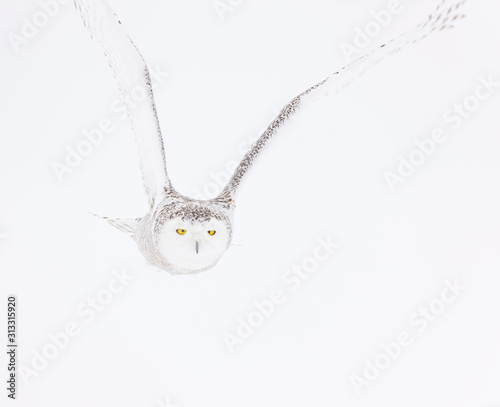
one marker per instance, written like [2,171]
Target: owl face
[193,243]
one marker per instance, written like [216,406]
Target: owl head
[192,236]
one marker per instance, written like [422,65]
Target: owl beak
[197,247]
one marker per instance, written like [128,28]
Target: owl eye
[181,231]
[211,232]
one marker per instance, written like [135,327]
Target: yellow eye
[211,232]
[181,231]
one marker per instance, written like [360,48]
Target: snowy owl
[179,234]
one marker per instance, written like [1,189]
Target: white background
[162,336]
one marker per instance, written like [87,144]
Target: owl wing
[442,18]
[134,82]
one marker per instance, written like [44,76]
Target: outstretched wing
[134,82]
[442,18]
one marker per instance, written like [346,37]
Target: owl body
[183,235]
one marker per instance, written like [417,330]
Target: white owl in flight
[179,234]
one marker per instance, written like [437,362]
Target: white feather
[134,82]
